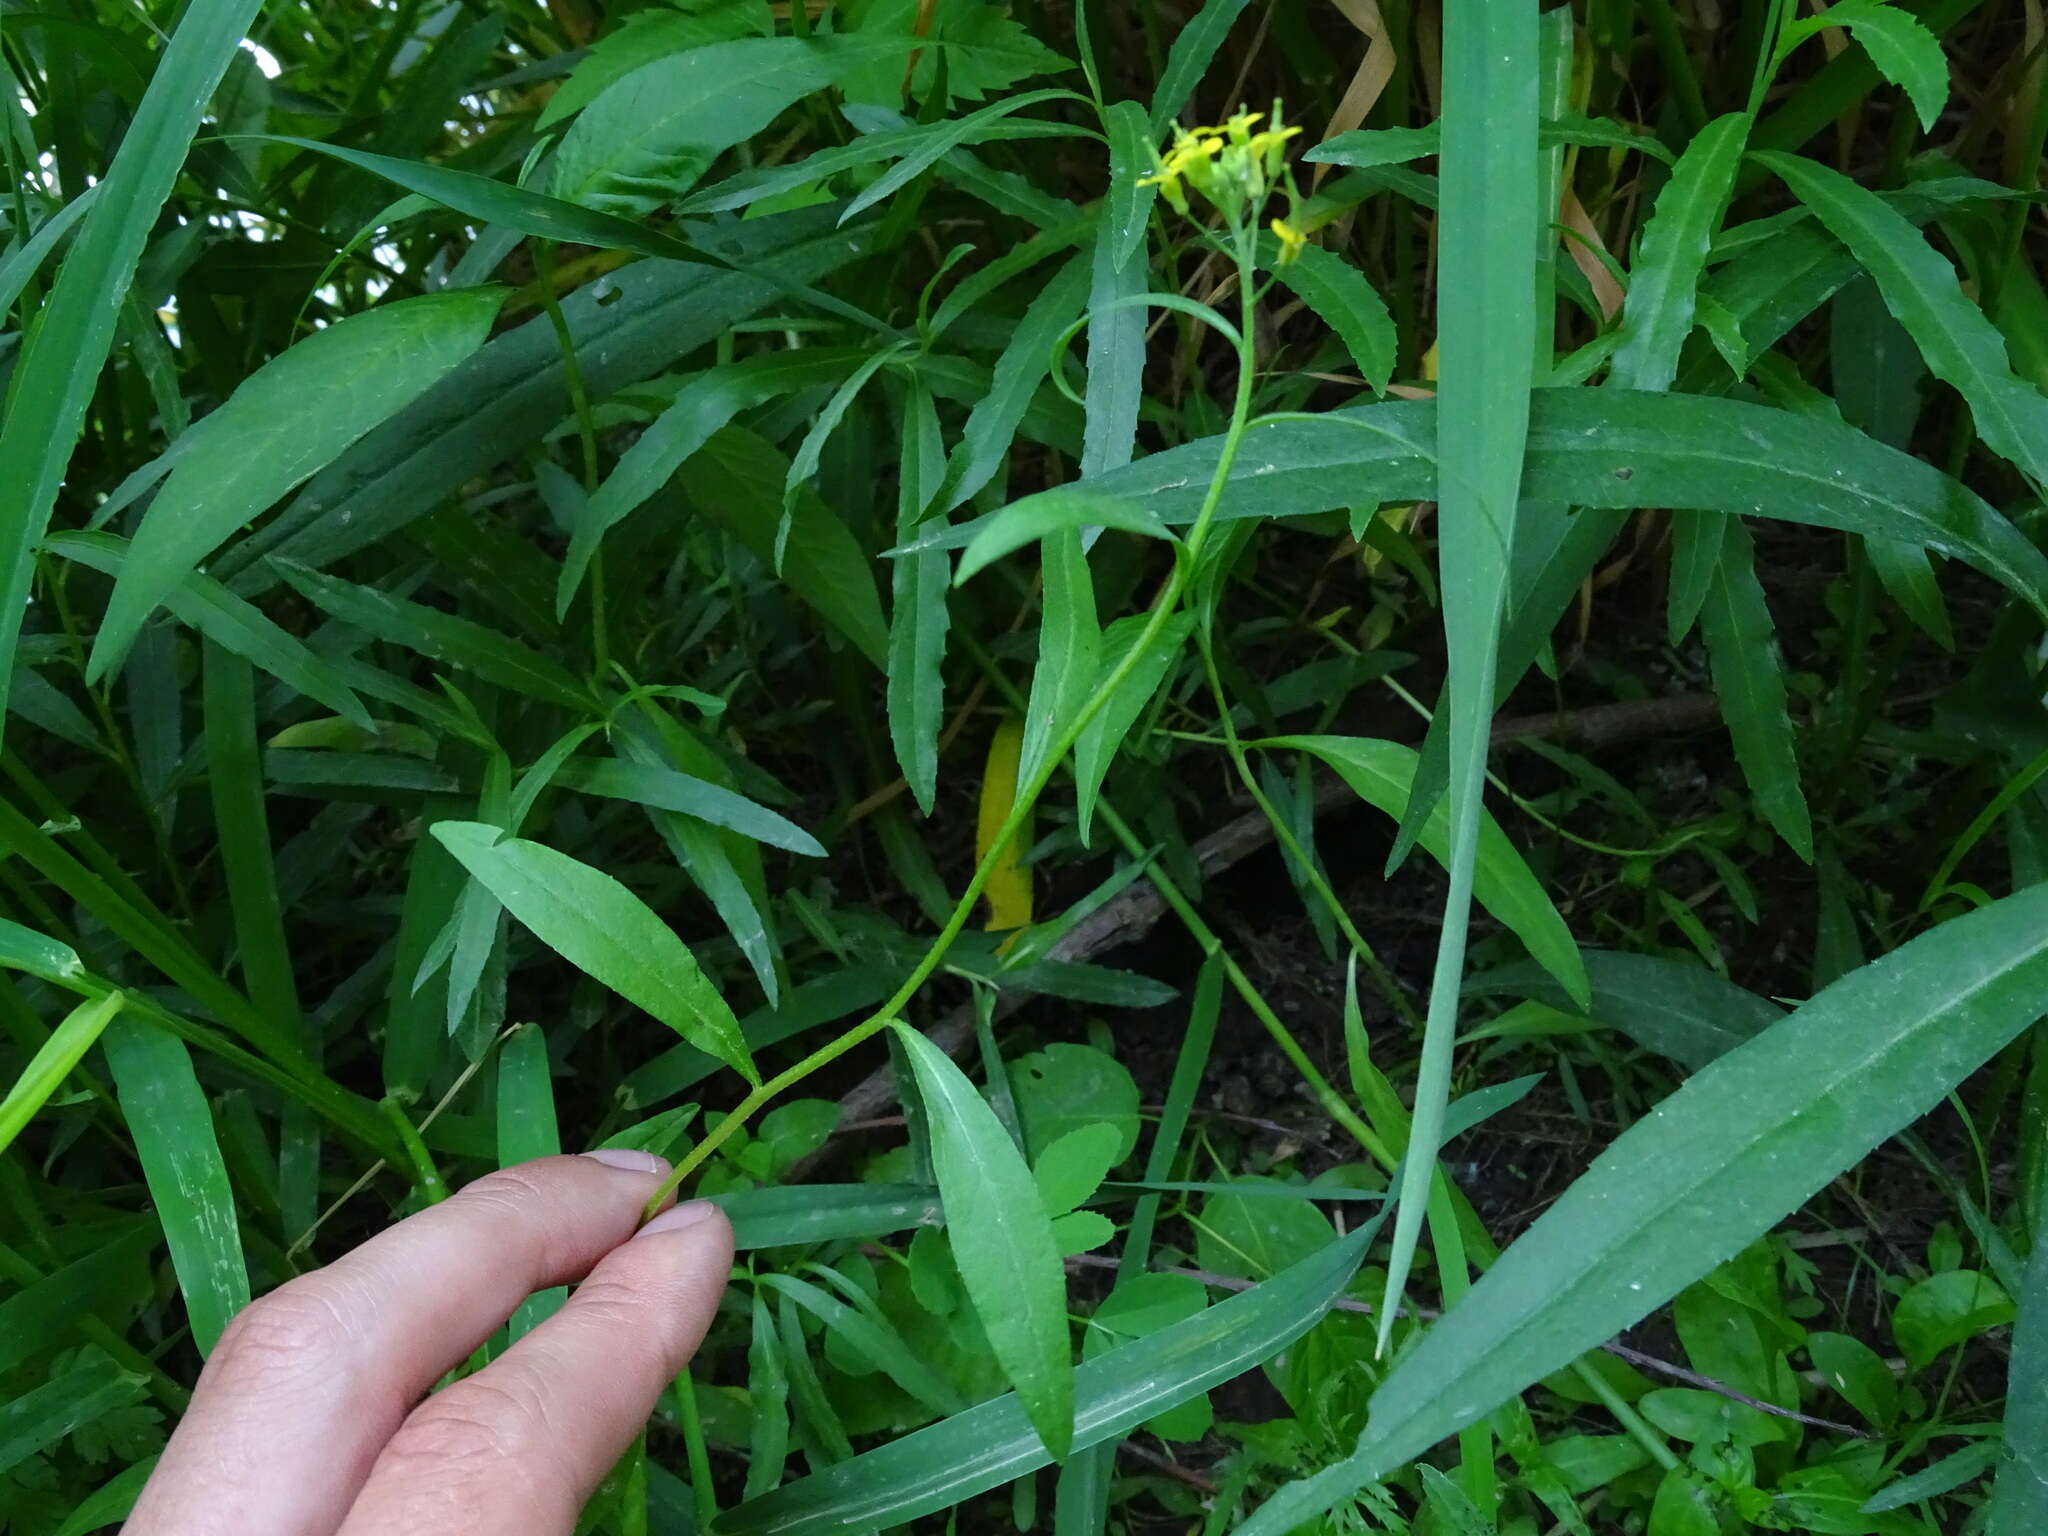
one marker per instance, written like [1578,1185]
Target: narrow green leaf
[1720,1162]
[53,1061]
[1899,44]
[1104,735]
[1664,280]
[1380,773]
[880,1343]
[650,136]
[110,1503]
[737,479]
[59,365]
[918,619]
[1194,47]
[994,1442]
[1045,515]
[1116,357]
[667,789]
[2019,1493]
[27,260]
[454,642]
[1019,370]
[1349,305]
[603,929]
[945,137]
[38,1419]
[1962,347]
[1069,650]
[171,1125]
[41,1312]
[768,1404]
[1676,1008]
[1598,448]
[526,1130]
[1486,344]
[203,604]
[799,1215]
[1002,1242]
[1749,680]
[291,417]
[1129,206]
[704,405]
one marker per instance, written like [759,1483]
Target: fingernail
[627,1160]
[677,1218]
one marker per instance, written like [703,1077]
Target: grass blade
[2019,1493]
[171,1125]
[1487,309]
[60,361]
[1002,1242]
[1069,648]
[919,617]
[1749,680]
[53,1061]
[526,1130]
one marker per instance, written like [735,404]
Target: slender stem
[1170,595]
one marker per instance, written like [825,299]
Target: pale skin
[313,1415]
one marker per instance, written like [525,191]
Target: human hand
[308,1419]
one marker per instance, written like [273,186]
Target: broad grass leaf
[1961,345]
[171,1126]
[1665,278]
[602,929]
[1749,680]
[1718,1163]
[651,135]
[668,789]
[291,417]
[1002,1242]
[642,38]
[59,365]
[1045,515]
[446,638]
[23,949]
[53,1061]
[1345,301]
[994,1442]
[509,396]
[1380,772]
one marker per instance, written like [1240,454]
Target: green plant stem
[1382,977]
[1027,799]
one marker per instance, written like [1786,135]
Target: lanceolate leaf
[1601,448]
[1069,650]
[1962,347]
[1898,43]
[53,378]
[1749,679]
[919,617]
[1664,281]
[288,419]
[670,790]
[1194,47]
[1002,1242]
[1129,206]
[171,1126]
[1743,1142]
[1380,772]
[600,927]
[53,1061]
[1339,293]
[1103,737]
[994,1442]
[2019,1495]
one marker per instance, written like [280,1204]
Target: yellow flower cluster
[1234,167]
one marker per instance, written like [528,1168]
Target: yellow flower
[1291,240]
[1235,167]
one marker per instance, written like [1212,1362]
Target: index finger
[309,1382]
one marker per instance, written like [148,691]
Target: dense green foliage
[591,574]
